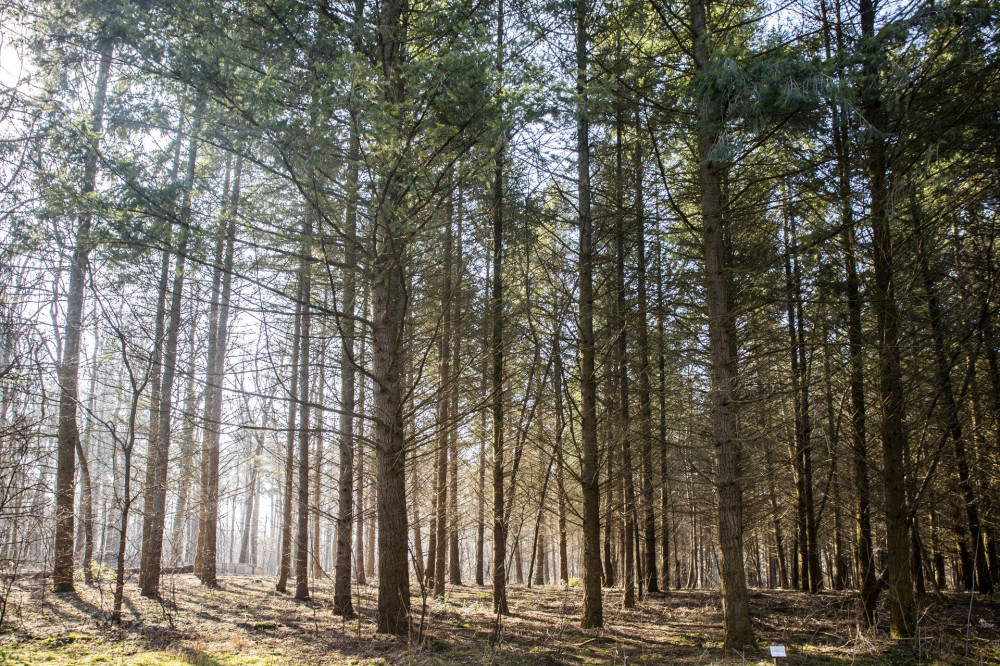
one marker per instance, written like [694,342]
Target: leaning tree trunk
[68,435]
[722,359]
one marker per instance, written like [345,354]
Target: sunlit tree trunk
[342,604]
[68,436]
[305,295]
[285,562]
[155,496]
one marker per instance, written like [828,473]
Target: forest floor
[246,623]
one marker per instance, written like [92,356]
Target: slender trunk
[316,557]
[68,435]
[481,482]
[560,474]
[953,418]
[864,552]
[127,449]
[496,345]
[86,495]
[208,517]
[184,480]
[811,575]
[342,604]
[454,565]
[305,294]
[650,578]
[155,496]
[285,563]
[248,512]
[664,480]
[444,400]
[621,364]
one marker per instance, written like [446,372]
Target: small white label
[778,651]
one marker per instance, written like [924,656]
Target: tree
[69,433]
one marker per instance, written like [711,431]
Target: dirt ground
[246,623]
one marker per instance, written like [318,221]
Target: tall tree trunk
[285,561]
[811,574]
[188,447]
[593,608]
[155,496]
[864,552]
[649,574]
[454,564]
[736,612]
[248,511]
[483,436]
[342,575]
[388,315]
[443,427]
[664,479]
[952,416]
[623,427]
[222,280]
[319,428]
[305,294]
[560,473]
[68,436]
[496,346]
[902,607]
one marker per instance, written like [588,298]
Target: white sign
[778,651]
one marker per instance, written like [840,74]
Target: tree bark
[902,607]
[285,563]
[593,609]
[208,513]
[68,436]
[342,604]
[623,427]
[736,612]
[649,573]
[305,295]
[388,315]
[496,345]
[443,427]
[155,496]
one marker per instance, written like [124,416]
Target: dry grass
[246,623]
